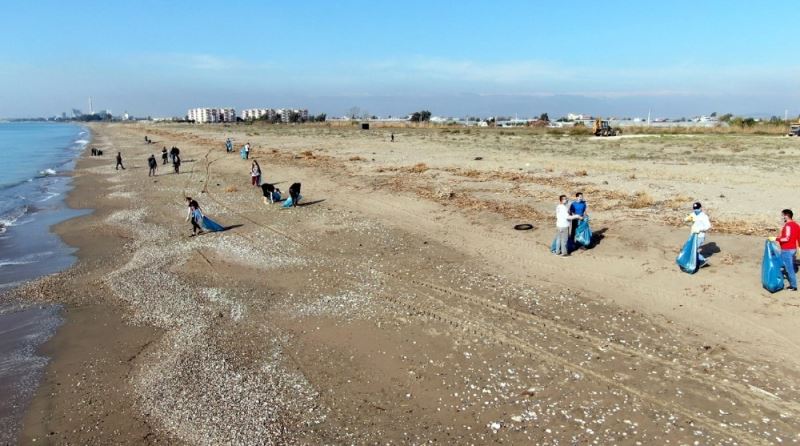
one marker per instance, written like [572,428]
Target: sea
[36,159]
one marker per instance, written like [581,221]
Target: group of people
[272,194]
[173,155]
[244,152]
[568,214]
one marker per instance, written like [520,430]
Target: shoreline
[90,333]
[33,251]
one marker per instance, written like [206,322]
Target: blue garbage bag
[211,225]
[289,202]
[583,234]
[687,259]
[771,268]
[243,153]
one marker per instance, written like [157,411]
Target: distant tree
[562,119]
[276,118]
[420,116]
[544,117]
[294,117]
[353,112]
[714,114]
[739,121]
[726,117]
[321,117]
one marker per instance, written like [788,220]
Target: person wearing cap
[562,226]
[700,225]
[790,235]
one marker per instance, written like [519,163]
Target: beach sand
[398,305]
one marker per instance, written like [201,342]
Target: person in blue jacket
[578,206]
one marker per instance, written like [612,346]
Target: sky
[454,58]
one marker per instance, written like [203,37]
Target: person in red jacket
[790,235]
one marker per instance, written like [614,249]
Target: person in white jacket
[700,225]
[562,226]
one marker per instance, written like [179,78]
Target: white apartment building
[257,113]
[286,112]
[204,115]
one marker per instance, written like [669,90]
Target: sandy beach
[397,304]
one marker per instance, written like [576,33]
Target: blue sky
[454,58]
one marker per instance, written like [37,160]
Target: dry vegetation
[521,170]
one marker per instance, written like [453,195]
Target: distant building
[257,113]
[286,114]
[577,117]
[206,115]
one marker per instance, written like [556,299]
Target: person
[392,136]
[195,216]
[153,165]
[146,139]
[700,225]
[176,163]
[228,145]
[247,151]
[164,155]
[562,226]
[255,174]
[294,193]
[790,235]
[174,152]
[578,206]
[119,162]
[271,193]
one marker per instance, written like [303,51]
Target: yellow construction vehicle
[603,128]
[794,129]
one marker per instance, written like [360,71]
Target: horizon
[672,60]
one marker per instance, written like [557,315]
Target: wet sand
[398,306]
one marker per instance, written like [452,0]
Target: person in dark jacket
[294,192]
[174,152]
[164,155]
[119,162]
[153,164]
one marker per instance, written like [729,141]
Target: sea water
[35,161]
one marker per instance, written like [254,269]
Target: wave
[15,262]
[49,196]
[10,218]
[26,259]
[82,141]
[47,172]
